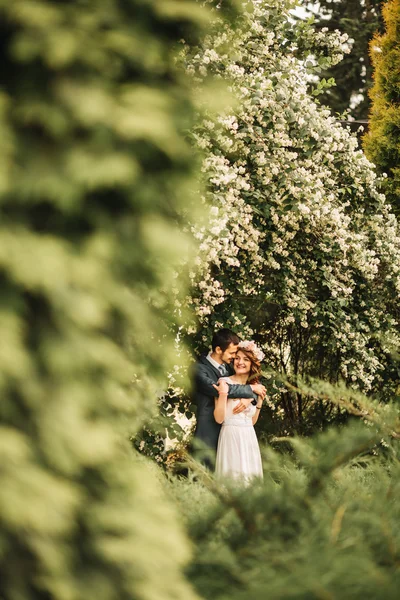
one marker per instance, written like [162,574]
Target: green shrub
[322,525]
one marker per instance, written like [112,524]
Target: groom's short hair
[223,338]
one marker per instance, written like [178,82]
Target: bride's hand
[222,386]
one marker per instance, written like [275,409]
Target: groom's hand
[242,405]
[259,389]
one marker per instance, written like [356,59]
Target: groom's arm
[237,390]
[205,384]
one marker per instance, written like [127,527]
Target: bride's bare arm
[220,402]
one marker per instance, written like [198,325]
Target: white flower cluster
[299,244]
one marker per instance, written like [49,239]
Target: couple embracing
[229,399]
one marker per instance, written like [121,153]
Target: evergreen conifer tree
[382,143]
[94,170]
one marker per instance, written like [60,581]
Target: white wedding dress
[238,452]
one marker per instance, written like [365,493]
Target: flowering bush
[300,250]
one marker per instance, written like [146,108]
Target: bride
[238,452]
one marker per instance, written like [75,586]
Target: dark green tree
[382,143]
[353,75]
[94,172]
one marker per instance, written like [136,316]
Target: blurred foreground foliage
[323,525]
[95,176]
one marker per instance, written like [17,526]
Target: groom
[208,370]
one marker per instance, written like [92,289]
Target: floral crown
[251,346]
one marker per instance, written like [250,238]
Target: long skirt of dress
[238,453]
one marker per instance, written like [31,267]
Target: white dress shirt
[217,365]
